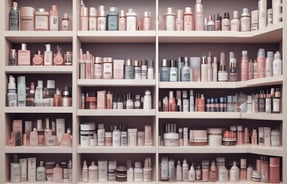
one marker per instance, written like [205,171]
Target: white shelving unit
[152,45]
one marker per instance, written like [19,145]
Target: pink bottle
[261,63]
[244,65]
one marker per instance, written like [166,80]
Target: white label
[170,22]
[185,106]
[222,76]
[41,22]
[131,23]
[92,23]
[101,23]
[276,104]
[173,75]
[54,23]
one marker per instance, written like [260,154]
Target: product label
[101,23]
[112,23]
[276,105]
[41,22]
[131,23]
[187,23]
[173,75]
[54,23]
[170,23]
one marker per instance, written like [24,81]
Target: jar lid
[98,60]
[169,11]
[214,130]
[188,10]
[275,132]
[26,11]
[138,165]
[87,126]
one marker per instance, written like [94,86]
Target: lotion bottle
[85,172]
[277,64]
[93,173]
[234,173]
[178,171]
[204,70]
[191,174]
[48,55]
[41,172]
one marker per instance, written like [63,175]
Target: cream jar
[275,138]
[214,136]
[198,137]
[27,18]
[87,131]
[41,20]
[171,139]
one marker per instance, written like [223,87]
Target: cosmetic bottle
[185,72]
[129,69]
[41,135]
[12,94]
[178,101]
[164,71]
[184,170]
[179,20]
[269,16]
[54,18]
[234,172]
[204,70]
[276,105]
[262,12]
[274,170]
[214,69]
[198,173]
[92,19]
[65,22]
[144,69]
[93,173]
[34,138]
[213,172]
[41,172]
[178,171]
[67,97]
[23,55]
[277,64]
[15,170]
[173,71]
[218,22]
[244,65]
[222,171]
[171,102]
[58,58]
[131,20]
[169,19]
[122,21]
[137,68]
[13,60]
[38,59]
[107,68]
[198,11]
[47,132]
[233,73]
[14,17]
[48,55]
[21,91]
[194,63]
[251,73]
[138,172]
[188,19]
[41,20]
[222,73]
[269,64]
[245,20]
[85,172]
[210,24]
[180,63]
[205,170]
[277,11]
[268,103]
[185,101]
[57,174]
[191,173]
[243,169]
[225,22]
[98,68]
[191,101]
[249,173]
[112,19]
[261,63]
[235,22]
[171,171]
[147,100]
[101,25]
[147,21]
[84,18]
[66,139]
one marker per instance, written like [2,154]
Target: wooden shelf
[39,36]
[117,36]
[38,149]
[116,112]
[39,69]
[38,110]
[270,34]
[122,149]
[199,115]
[262,116]
[115,82]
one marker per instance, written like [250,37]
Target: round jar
[171,139]
[27,18]
[87,131]
[198,137]
[121,175]
[229,138]
[214,136]
[256,176]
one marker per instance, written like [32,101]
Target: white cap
[48,47]
[40,83]
[277,55]
[39,124]
[11,84]
[51,84]
[21,80]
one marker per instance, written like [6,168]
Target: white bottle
[48,55]
[39,91]
[184,170]
[191,101]
[178,171]
[147,100]
[171,170]
[41,172]
[15,170]
[130,171]
[173,71]
[245,20]
[209,69]
[262,12]
[269,64]
[191,173]
[70,170]
[234,173]
[85,172]
[93,173]
[235,23]
[214,69]
[277,64]
[185,72]
[204,68]
[12,95]
[116,137]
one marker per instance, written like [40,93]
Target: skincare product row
[267,169]
[235,135]
[189,20]
[93,19]
[23,57]
[112,170]
[109,68]
[114,136]
[29,19]
[206,69]
[103,99]
[26,170]
[39,96]
[39,136]
[184,101]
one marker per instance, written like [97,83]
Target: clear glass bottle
[14,17]
[112,19]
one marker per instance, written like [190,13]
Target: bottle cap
[179,13]
[21,80]
[245,12]
[169,11]
[93,12]
[40,83]
[128,62]
[113,9]
[102,11]
[261,52]
[48,47]
[122,13]
[188,10]
[244,53]
[164,63]
[269,54]
[23,46]
[173,63]
[51,84]
[11,84]
[277,55]
[147,14]
[235,14]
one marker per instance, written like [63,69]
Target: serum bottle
[185,72]
[54,18]
[222,73]
[198,11]
[48,55]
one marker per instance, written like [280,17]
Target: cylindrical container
[164,71]
[27,18]
[274,170]
[87,131]
[171,139]
[147,100]
[67,97]
[131,20]
[90,101]
[147,21]
[132,137]
[275,138]
[41,20]
[254,20]
[198,137]
[229,138]
[137,68]
[101,25]
[188,19]
[68,58]
[122,21]
[107,68]
[112,19]
[121,174]
[245,20]
[98,68]
[129,69]
[169,20]
[138,172]
[93,19]
[84,18]
[141,138]
[214,136]
[194,63]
